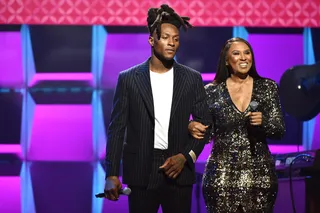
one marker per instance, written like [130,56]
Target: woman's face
[239,58]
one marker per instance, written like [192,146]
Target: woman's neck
[239,79]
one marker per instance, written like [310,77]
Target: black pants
[160,191]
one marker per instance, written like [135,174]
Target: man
[152,106]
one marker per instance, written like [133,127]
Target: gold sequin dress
[240,170]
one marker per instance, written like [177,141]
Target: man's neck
[160,66]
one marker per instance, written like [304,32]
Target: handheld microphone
[125,191]
[253,106]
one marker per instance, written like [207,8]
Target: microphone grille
[253,105]
[126,191]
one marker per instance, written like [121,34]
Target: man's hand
[112,187]
[173,165]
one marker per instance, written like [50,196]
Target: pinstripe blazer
[133,114]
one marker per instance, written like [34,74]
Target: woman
[240,173]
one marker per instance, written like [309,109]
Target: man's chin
[164,57]
[168,58]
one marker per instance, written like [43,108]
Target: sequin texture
[240,171]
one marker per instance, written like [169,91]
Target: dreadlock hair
[165,14]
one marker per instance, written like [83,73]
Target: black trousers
[161,191]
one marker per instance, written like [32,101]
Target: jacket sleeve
[117,127]
[200,113]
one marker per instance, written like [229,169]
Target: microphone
[253,106]
[125,191]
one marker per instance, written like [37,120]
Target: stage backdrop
[59,65]
[280,13]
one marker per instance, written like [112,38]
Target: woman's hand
[255,118]
[197,130]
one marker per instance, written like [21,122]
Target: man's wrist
[183,157]
[112,178]
[188,158]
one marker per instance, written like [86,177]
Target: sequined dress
[240,171]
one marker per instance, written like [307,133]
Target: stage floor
[60,187]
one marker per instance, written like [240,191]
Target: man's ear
[151,41]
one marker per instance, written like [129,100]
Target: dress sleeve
[272,120]
[209,88]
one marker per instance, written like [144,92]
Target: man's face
[168,44]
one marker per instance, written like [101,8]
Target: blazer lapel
[179,82]
[142,79]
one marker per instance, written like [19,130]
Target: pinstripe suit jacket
[133,114]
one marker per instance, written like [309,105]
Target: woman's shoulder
[213,89]
[267,82]
[211,86]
